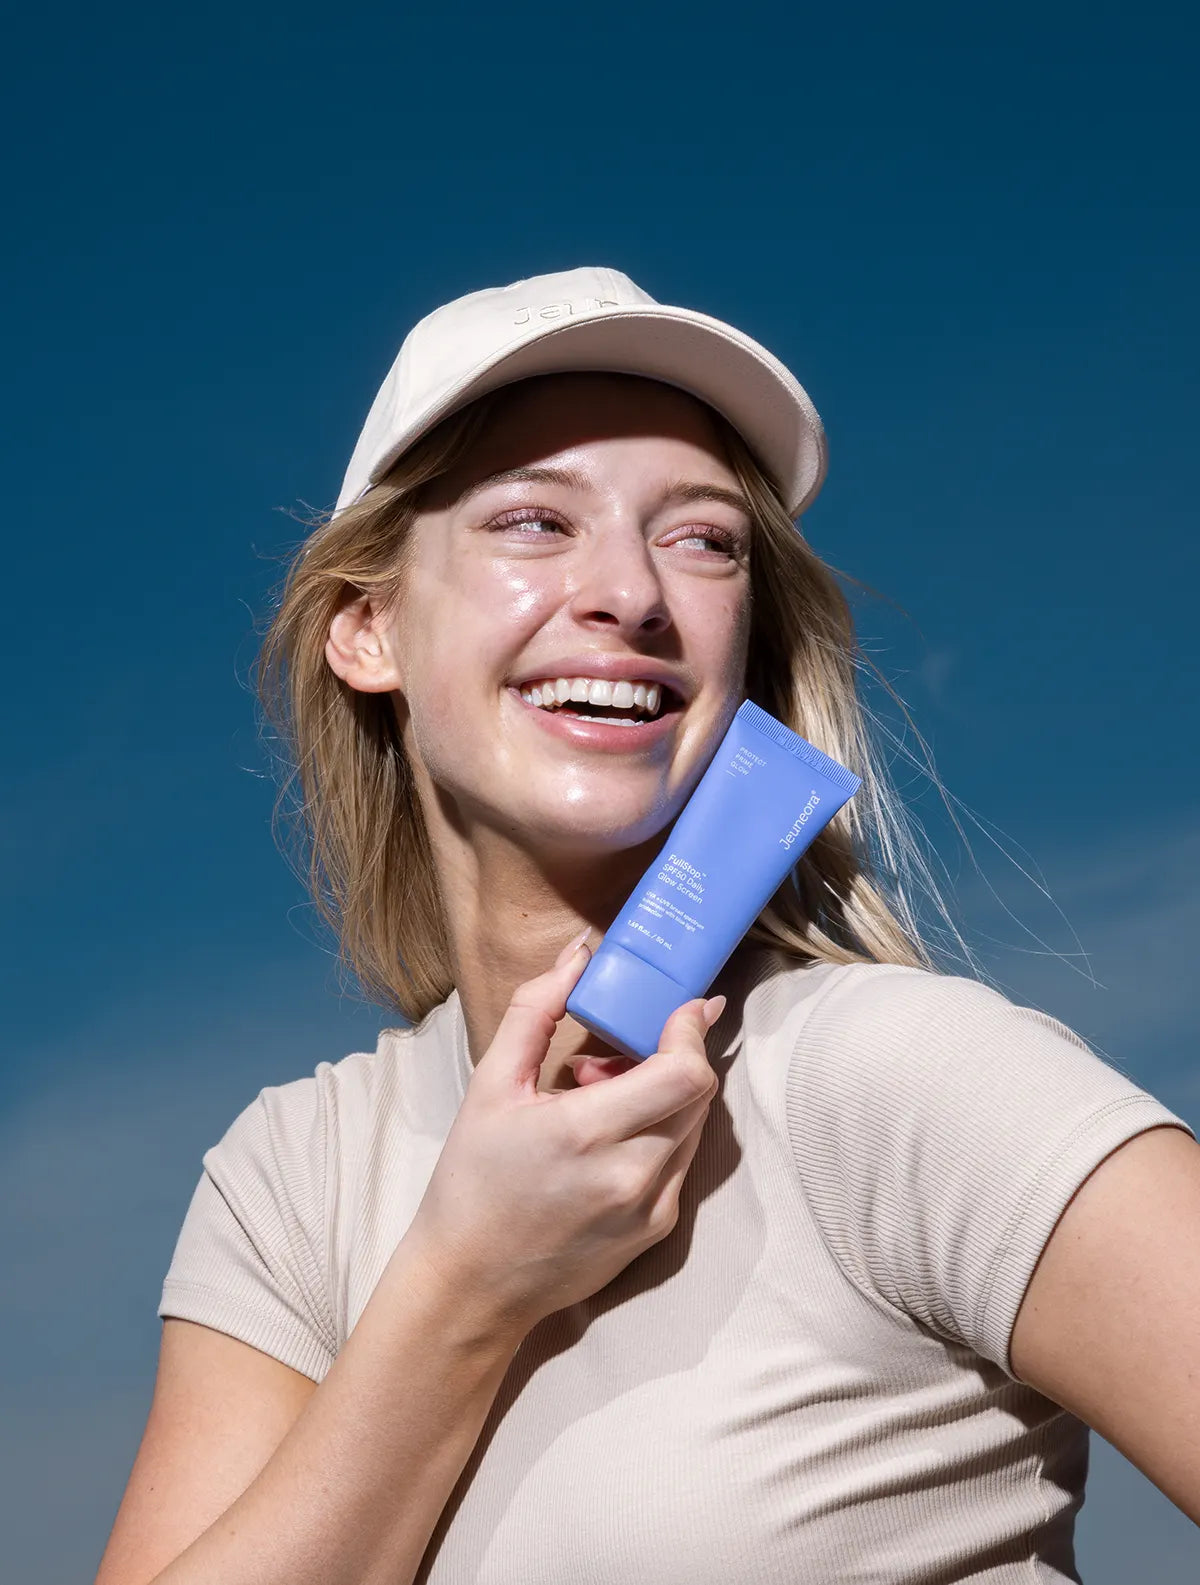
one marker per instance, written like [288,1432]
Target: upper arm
[1110,1323]
[219,1411]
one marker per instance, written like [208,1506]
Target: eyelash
[718,536]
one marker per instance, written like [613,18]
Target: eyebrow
[564,476]
[683,491]
[570,479]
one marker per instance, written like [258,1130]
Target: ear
[357,648]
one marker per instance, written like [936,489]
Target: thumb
[688,1025]
[522,1040]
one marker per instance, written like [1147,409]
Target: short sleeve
[939,1132]
[250,1259]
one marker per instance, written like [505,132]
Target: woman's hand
[540,1198]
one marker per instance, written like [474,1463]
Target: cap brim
[703,356]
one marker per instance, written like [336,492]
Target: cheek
[471,622]
[516,598]
[499,595]
[718,629]
[740,623]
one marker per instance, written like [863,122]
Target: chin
[594,825]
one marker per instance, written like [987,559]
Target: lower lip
[601,734]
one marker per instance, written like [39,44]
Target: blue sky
[970,231]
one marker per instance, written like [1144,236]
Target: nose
[618,585]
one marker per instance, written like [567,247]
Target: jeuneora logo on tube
[801,821]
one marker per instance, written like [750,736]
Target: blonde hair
[367,856]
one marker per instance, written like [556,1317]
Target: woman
[823,1290]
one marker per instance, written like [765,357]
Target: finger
[673,1077]
[666,1148]
[690,1023]
[679,1162]
[591,1070]
[572,947]
[522,1039]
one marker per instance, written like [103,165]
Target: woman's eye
[534,524]
[537,522]
[711,537]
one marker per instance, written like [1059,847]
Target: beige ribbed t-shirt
[808,1380]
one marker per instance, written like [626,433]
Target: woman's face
[596,531]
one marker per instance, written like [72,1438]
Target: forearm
[352,1494]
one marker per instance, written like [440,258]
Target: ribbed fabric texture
[808,1380]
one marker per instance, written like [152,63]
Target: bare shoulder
[220,1409]
[1107,1327]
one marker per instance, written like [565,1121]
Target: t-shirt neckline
[462,1049]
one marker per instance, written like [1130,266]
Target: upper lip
[610,668]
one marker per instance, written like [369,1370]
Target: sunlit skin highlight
[598,514]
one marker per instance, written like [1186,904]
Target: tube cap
[625,1001]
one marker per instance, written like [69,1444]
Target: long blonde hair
[366,856]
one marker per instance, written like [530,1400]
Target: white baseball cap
[589,319]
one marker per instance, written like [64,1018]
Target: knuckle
[674,1064]
[692,1071]
[627,1184]
[528,1012]
[663,1218]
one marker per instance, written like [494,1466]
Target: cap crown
[444,349]
[473,329]
[576,320]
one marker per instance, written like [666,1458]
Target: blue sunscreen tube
[765,796]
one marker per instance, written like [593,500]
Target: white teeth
[622,695]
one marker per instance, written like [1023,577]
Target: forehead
[612,402]
[543,417]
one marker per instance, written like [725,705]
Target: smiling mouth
[623,703]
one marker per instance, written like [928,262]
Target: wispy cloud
[1109,947]
[935,670]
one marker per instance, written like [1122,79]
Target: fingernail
[572,947]
[712,1010]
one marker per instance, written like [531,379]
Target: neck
[510,912]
